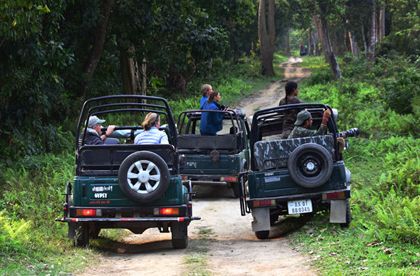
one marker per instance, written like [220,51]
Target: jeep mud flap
[338,211]
[261,219]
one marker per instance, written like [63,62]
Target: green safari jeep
[123,185]
[214,160]
[295,176]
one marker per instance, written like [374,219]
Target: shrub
[401,90]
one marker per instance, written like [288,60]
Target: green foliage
[384,161]
[401,90]
[398,218]
[14,235]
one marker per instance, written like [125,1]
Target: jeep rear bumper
[324,196]
[205,179]
[144,219]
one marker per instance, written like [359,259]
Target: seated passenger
[151,133]
[212,122]
[93,132]
[303,125]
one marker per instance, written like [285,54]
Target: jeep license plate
[299,206]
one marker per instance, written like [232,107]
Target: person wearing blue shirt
[211,122]
[206,89]
[151,133]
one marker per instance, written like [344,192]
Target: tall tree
[381,27]
[97,44]
[370,55]
[266,35]
[321,21]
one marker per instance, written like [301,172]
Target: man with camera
[303,125]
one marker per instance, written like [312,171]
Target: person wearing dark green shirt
[303,125]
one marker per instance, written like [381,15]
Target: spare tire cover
[143,176]
[310,165]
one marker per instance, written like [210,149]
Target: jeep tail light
[184,177]
[229,179]
[260,203]
[86,212]
[333,195]
[168,211]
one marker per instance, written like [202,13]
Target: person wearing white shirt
[151,133]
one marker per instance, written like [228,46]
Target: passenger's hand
[110,129]
[327,113]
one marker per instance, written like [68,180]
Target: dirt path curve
[222,237]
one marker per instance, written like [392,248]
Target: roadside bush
[398,218]
[401,90]
[402,163]
[14,235]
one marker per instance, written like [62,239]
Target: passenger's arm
[164,139]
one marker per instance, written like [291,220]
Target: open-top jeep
[294,176]
[124,185]
[214,160]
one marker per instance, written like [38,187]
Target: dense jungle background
[364,55]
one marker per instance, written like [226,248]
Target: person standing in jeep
[206,89]
[291,91]
[211,122]
[303,125]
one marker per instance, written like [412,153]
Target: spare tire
[310,165]
[143,176]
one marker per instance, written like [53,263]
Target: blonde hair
[204,89]
[150,120]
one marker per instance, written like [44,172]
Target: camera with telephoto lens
[223,107]
[353,132]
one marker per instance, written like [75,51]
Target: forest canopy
[54,54]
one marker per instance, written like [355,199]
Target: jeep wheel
[348,215]
[179,235]
[262,235]
[310,165]
[81,239]
[236,186]
[143,176]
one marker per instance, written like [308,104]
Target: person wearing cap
[151,133]
[93,131]
[303,125]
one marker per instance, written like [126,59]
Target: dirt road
[222,242]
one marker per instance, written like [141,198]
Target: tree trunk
[144,78]
[288,41]
[129,72]
[352,39]
[372,34]
[363,36]
[317,35]
[311,42]
[266,37]
[326,43]
[382,23]
[98,44]
[353,43]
